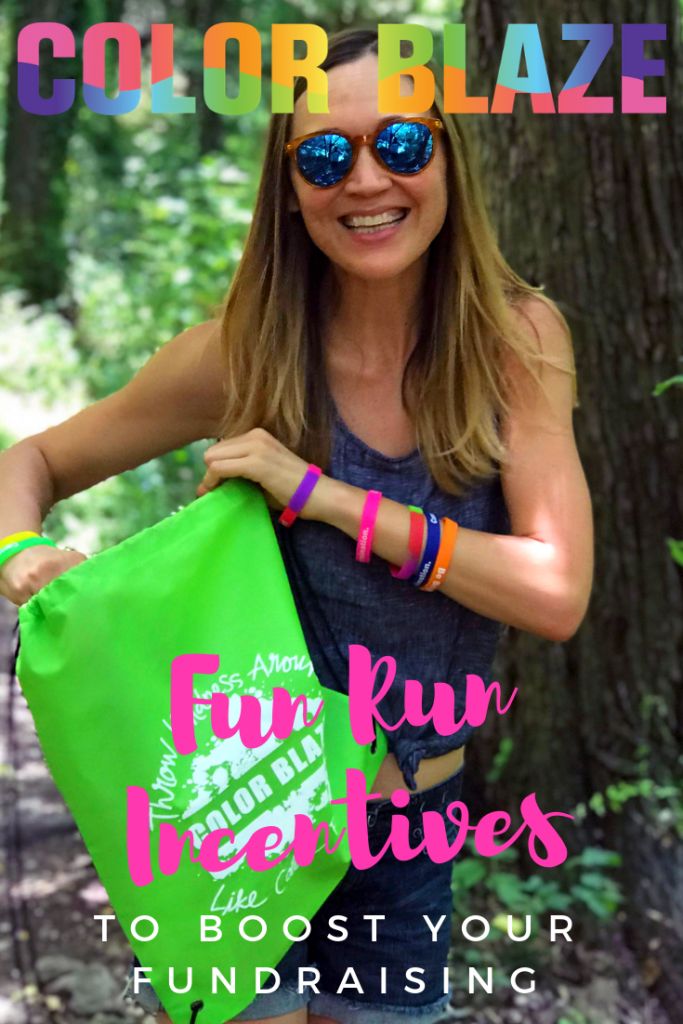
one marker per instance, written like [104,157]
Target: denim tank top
[341,601]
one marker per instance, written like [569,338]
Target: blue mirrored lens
[405,146]
[324,159]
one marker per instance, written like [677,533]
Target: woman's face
[370,189]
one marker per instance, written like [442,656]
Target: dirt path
[53,967]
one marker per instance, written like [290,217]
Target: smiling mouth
[377,222]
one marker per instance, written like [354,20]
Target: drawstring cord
[195,1007]
[16,640]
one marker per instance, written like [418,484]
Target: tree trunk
[591,207]
[33,253]
[211,127]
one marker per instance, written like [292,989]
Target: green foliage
[580,883]
[500,760]
[158,254]
[49,360]
[675,549]
[498,888]
[664,385]
[154,232]
[665,801]
[675,546]
[494,887]
[6,439]
[662,796]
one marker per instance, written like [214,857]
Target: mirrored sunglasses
[324,159]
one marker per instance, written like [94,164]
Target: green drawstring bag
[97,644]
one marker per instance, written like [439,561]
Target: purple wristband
[301,495]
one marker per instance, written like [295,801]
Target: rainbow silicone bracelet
[367,526]
[431,550]
[13,538]
[415,539]
[301,495]
[29,542]
[449,533]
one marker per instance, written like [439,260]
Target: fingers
[255,456]
[224,469]
[36,576]
[256,442]
[30,570]
[244,456]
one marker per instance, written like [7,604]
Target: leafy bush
[494,888]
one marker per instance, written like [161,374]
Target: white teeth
[377,221]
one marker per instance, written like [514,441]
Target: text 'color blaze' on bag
[95,665]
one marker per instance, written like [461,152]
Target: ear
[293,202]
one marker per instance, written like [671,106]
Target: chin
[380,273]
[380,268]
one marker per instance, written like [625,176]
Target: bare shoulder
[197,348]
[544,324]
[203,337]
[547,331]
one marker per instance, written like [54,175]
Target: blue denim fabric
[400,890]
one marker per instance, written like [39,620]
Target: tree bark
[592,207]
[33,253]
[211,127]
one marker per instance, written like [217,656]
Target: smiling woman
[376,345]
[394,201]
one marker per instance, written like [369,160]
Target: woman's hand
[27,572]
[257,456]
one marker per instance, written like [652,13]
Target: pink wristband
[415,541]
[367,526]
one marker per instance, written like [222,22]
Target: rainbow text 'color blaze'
[522,44]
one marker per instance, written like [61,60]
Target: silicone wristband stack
[367,526]
[431,550]
[449,533]
[301,495]
[12,538]
[29,542]
[415,539]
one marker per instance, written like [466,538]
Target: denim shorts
[402,891]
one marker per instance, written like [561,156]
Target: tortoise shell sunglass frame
[402,151]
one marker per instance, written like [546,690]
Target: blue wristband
[431,549]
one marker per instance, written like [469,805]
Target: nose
[368,176]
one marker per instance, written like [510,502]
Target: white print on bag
[232,786]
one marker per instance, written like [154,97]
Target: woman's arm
[539,578]
[175,399]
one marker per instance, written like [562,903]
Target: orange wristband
[449,533]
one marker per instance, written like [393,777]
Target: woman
[373,328]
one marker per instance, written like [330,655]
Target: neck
[371,327]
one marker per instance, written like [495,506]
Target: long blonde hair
[455,386]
